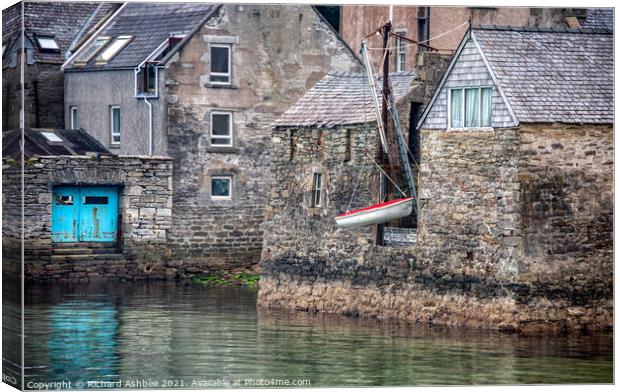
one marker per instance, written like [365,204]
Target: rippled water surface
[196,334]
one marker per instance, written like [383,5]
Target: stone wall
[145,206]
[43,96]
[278,52]
[515,234]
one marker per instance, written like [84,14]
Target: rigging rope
[426,41]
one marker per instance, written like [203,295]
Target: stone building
[52,30]
[204,85]
[443,27]
[87,213]
[515,230]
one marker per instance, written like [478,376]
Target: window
[317,184]
[73,113]
[423,27]
[221,129]
[401,52]
[95,200]
[64,200]
[115,124]
[47,42]
[146,80]
[221,187]
[469,107]
[220,64]
[112,50]
[91,51]
[51,136]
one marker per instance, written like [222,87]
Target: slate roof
[74,142]
[341,99]
[62,19]
[149,24]
[599,18]
[552,75]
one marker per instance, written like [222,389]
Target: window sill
[469,129]
[218,85]
[223,150]
[114,146]
[155,96]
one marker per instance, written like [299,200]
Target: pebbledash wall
[515,233]
[145,206]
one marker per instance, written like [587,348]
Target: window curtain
[485,107]
[456,115]
[471,107]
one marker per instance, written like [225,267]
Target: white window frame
[86,60]
[73,118]
[113,50]
[220,74]
[230,187]
[400,68]
[317,189]
[479,88]
[112,133]
[47,37]
[230,129]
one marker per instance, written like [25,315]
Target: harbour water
[170,335]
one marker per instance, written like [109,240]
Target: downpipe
[150,125]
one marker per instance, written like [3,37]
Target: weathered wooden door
[98,214]
[64,214]
[85,214]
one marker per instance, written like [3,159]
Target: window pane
[485,107]
[219,59]
[116,116]
[95,200]
[92,50]
[220,124]
[220,187]
[471,107]
[456,101]
[115,47]
[74,124]
[47,43]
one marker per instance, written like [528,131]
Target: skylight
[51,136]
[91,51]
[47,42]
[112,50]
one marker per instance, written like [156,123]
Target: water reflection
[157,331]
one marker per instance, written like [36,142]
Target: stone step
[81,245]
[73,251]
[88,257]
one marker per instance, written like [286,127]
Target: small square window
[470,107]
[220,64]
[221,129]
[51,136]
[47,42]
[221,187]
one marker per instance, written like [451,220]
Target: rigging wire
[426,41]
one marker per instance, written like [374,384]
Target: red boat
[375,214]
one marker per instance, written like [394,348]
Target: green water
[195,336]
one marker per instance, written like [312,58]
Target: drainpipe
[150,125]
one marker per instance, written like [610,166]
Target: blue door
[65,202]
[98,214]
[85,214]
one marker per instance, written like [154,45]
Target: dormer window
[146,80]
[90,52]
[47,42]
[112,50]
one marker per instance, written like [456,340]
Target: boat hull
[379,213]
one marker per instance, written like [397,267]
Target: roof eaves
[189,35]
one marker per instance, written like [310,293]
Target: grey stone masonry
[145,207]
